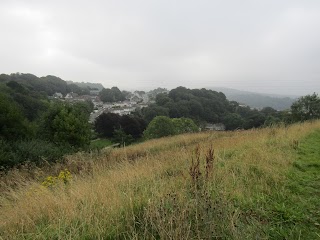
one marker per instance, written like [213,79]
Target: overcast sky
[270,46]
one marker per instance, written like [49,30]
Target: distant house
[121,104]
[98,104]
[136,99]
[71,95]
[124,111]
[242,105]
[85,97]
[57,95]
[94,92]
[215,127]
[96,99]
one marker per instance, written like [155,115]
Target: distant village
[135,100]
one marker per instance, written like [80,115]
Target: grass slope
[293,212]
[257,184]
[299,206]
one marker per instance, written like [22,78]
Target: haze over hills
[258,100]
[98,86]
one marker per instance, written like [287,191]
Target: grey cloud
[265,46]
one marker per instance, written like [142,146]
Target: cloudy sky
[270,46]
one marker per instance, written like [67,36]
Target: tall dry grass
[147,191]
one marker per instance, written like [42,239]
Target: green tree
[85,107]
[269,111]
[162,99]
[106,123]
[160,126]
[184,125]
[119,136]
[79,90]
[64,124]
[111,95]
[271,121]
[106,95]
[233,121]
[16,87]
[119,96]
[152,111]
[255,120]
[306,108]
[13,125]
[132,125]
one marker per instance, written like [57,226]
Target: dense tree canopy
[31,103]
[203,105]
[154,110]
[133,125]
[107,123]
[112,95]
[45,85]
[233,121]
[184,125]
[208,106]
[33,128]
[162,126]
[13,125]
[66,124]
[76,89]
[306,108]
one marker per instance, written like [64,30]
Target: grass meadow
[255,184]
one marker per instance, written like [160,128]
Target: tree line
[201,106]
[35,128]
[208,106]
[45,86]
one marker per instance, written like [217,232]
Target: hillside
[97,86]
[208,106]
[250,185]
[47,85]
[258,100]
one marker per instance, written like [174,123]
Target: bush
[184,125]
[121,137]
[65,124]
[38,151]
[8,158]
[34,151]
[162,126]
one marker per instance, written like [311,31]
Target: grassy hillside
[256,184]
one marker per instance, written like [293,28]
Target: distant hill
[258,100]
[92,86]
[46,85]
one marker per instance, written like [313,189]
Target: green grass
[294,211]
[100,143]
[263,184]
